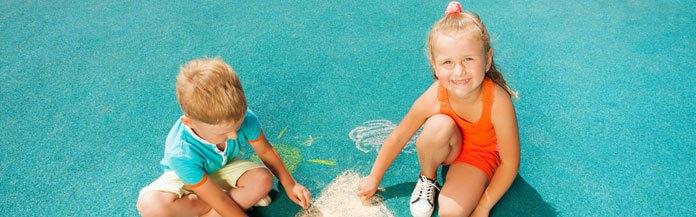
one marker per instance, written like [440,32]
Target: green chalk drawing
[282,132]
[323,162]
[310,140]
[291,156]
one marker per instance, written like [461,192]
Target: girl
[468,123]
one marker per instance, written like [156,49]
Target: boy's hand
[300,195]
[367,187]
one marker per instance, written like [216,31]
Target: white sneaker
[265,201]
[422,201]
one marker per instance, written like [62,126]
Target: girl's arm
[296,192]
[396,140]
[425,106]
[505,124]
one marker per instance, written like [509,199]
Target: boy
[201,175]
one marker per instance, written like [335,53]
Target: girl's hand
[367,187]
[300,195]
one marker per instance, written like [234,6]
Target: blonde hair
[463,24]
[209,90]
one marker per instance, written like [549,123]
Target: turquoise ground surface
[607,110]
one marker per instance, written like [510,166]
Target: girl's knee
[439,121]
[449,207]
[437,131]
[446,212]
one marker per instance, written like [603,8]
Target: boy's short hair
[209,90]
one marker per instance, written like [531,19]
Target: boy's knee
[263,180]
[150,204]
[266,181]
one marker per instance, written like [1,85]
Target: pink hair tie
[454,7]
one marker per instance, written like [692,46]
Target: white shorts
[227,176]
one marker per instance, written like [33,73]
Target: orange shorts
[486,161]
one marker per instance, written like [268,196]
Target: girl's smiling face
[460,63]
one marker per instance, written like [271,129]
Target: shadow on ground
[520,200]
[523,200]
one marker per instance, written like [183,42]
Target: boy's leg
[166,197]
[439,143]
[246,182]
[462,190]
[159,203]
[252,186]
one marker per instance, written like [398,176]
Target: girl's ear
[489,59]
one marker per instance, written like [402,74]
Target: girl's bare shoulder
[502,102]
[428,102]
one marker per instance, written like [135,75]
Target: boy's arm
[213,195]
[297,193]
[505,124]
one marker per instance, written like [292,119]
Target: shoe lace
[426,189]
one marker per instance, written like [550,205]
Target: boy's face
[213,133]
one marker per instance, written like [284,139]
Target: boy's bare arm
[297,193]
[271,158]
[213,195]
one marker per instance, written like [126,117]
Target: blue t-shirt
[191,157]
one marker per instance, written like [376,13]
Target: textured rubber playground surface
[606,109]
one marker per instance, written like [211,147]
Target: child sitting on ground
[202,175]
[468,123]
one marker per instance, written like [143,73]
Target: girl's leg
[462,191]
[160,203]
[439,143]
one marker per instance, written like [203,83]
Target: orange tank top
[479,135]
